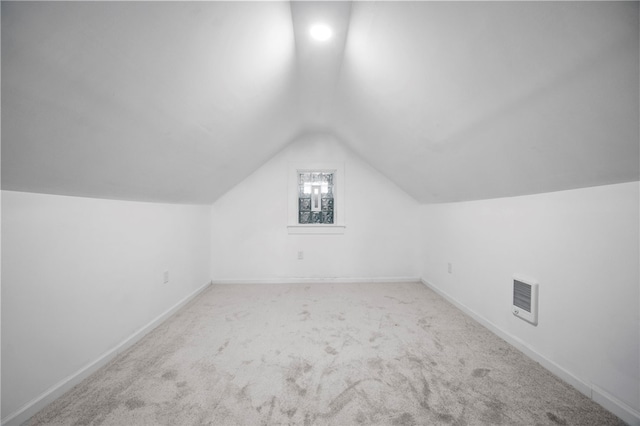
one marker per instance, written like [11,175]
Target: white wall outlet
[450,268]
[300,255]
[166,276]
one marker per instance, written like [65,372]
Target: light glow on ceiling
[321,32]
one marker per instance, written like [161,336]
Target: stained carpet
[322,354]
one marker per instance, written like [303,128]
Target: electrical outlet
[450,268]
[300,255]
[166,276]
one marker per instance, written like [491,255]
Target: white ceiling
[178,102]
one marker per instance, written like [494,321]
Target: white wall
[81,275]
[582,247]
[249,224]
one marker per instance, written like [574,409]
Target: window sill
[316,229]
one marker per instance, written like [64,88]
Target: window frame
[339,224]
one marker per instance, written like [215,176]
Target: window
[316,201]
[315,197]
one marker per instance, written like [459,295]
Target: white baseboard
[32,407]
[617,407]
[319,280]
[628,414]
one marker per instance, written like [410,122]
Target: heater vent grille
[525,299]
[522,295]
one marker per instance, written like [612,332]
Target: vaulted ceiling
[180,101]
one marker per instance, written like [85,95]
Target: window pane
[315,197]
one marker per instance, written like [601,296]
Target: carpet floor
[322,354]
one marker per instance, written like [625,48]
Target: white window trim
[339,225]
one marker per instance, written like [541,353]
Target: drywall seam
[54,392]
[319,280]
[611,403]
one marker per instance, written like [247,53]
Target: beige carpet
[339,354]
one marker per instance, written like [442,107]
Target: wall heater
[525,299]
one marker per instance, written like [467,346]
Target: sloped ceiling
[178,102]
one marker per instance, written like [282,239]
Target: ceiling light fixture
[321,32]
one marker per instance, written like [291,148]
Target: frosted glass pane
[315,197]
